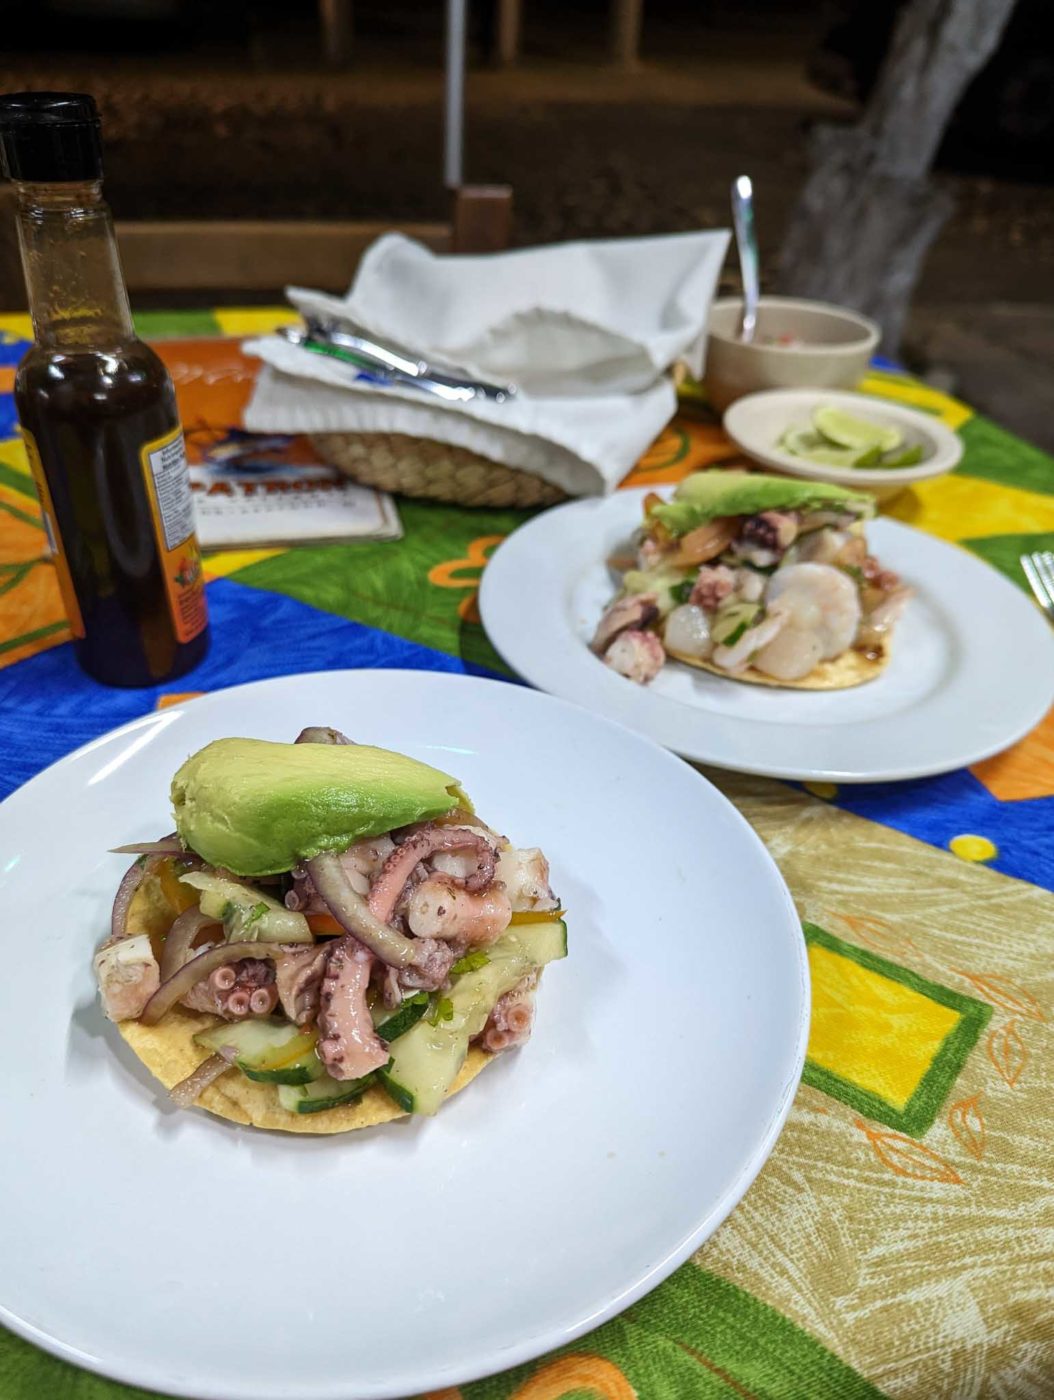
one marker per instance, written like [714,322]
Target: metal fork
[1038,568]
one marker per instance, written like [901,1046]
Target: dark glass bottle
[98,412]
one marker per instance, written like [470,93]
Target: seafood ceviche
[330,938]
[759,578]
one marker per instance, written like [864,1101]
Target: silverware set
[391,364]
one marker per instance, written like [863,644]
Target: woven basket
[433,471]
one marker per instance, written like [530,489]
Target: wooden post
[482,218]
[626,21]
[509,29]
[334,16]
[868,212]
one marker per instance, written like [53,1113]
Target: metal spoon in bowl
[747,245]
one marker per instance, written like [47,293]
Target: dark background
[228,110]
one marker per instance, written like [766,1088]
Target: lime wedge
[814,447]
[910,457]
[843,430]
[799,442]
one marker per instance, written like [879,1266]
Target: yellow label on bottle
[55,545]
[172,508]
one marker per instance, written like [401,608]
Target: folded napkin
[587,331]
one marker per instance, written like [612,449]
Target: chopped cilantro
[444,1011]
[681,592]
[470,962]
[255,914]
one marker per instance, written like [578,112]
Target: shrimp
[791,654]
[816,598]
[879,622]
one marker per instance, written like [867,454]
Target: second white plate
[972,669]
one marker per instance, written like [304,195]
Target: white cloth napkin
[587,332]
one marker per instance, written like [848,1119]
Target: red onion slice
[180,936]
[167,846]
[181,981]
[353,913]
[187,1090]
[122,900]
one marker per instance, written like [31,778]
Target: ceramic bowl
[830,348]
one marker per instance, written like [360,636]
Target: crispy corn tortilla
[841,673]
[170,1054]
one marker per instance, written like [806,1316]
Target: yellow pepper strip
[291,1051]
[180,896]
[538,916]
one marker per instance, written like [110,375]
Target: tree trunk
[868,211]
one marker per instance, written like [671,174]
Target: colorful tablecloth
[900,1241]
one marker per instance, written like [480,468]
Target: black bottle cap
[50,136]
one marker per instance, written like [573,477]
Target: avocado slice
[707,495]
[260,808]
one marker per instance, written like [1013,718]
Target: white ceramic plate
[177,1251]
[756,423]
[972,668]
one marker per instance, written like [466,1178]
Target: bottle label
[55,545]
[172,507]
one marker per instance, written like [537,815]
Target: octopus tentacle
[348,1045]
[352,912]
[425,841]
[512,1017]
[237,990]
[298,979]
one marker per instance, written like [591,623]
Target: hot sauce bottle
[98,412]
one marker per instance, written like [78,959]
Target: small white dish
[179,1252]
[756,423]
[971,671]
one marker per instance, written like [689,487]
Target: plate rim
[782,771]
[539,1344]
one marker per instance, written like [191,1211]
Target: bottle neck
[77,296]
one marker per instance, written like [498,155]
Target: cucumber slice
[323,1093]
[245,912]
[391,1026]
[427,1059]
[544,941]
[732,620]
[300,1071]
[267,1049]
